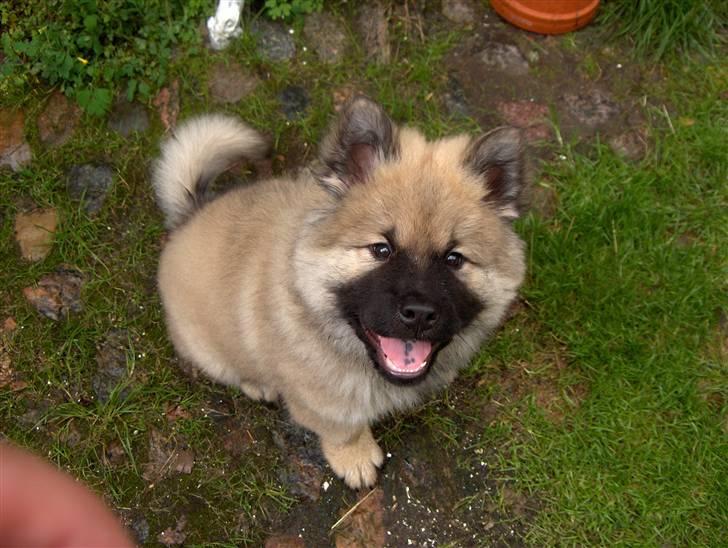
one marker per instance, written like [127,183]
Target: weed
[91,48]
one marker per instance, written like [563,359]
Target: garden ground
[599,412]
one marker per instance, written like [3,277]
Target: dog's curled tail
[197,152]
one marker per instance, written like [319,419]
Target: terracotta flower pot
[547,16]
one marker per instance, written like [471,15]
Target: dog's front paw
[355,462]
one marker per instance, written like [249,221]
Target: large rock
[294,102]
[504,57]
[592,108]
[90,184]
[327,37]
[459,11]
[455,100]
[275,43]
[34,233]
[58,120]
[373,26]
[57,295]
[230,82]
[14,149]
[527,115]
[167,103]
[127,118]
[111,364]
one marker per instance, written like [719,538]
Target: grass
[643,460]
[603,403]
[662,29]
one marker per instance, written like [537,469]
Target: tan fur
[247,286]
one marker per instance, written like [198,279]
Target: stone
[274,42]
[57,295]
[305,468]
[114,453]
[127,118]
[174,413]
[327,37]
[34,233]
[539,132]
[365,525]
[302,477]
[140,529]
[167,102]
[183,461]
[9,325]
[230,82]
[174,536]
[90,184]
[527,115]
[14,150]
[58,120]
[454,98]
[167,454]
[459,11]
[522,114]
[70,435]
[631,145]
[373,25]
[294,102]
[593,108]
[110,364]
[504,57]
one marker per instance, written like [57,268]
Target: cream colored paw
[257,392]
[253,391]
[355,462]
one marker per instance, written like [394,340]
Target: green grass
[661,29]
[644,459]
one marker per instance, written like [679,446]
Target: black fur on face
[373,304]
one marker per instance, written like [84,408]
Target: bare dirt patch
[535,82]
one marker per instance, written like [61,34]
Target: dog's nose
[418,314]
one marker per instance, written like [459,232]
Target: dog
[351,291]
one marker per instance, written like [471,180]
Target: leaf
[91,22]
[131,90]
[95,101]
[144,89]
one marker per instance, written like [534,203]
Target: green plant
[281,9]
[662,28]
[92,48]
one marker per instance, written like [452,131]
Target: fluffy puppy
[351,291]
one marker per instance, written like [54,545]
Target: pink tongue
[406,356]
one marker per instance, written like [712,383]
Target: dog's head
[417,245]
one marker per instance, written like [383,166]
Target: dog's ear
[498,159]
[361,138]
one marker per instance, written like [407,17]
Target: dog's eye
[454,260]
[380,251]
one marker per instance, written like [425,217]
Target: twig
[669,121]
[351,510]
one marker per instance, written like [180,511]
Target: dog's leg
[351,450]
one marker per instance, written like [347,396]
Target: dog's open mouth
[400,358]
